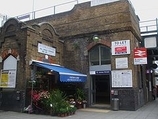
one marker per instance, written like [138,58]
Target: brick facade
[21,41]
[111,22]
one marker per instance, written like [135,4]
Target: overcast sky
[145,9]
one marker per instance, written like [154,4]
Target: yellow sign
[8,78]
[4,79]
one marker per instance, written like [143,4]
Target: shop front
[47,77]
[65,74]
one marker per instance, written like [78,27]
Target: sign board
[8,78]
[140,56]
[150,42]
[105,72]
[46,49]
[121,78]
[121,63]
[102,72]
[121,47]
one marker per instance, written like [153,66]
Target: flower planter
[79,106]
[61,115]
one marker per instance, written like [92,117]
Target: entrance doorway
[101,89]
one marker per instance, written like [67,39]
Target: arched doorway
[100,73]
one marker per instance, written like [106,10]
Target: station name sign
[102,72]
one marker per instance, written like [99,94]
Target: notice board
[121,78]
[8,78]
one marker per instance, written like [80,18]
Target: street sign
[140,56]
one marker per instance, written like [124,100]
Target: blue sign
[102,72]
[71,78]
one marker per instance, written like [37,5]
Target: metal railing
[63,7]
[146,27]
[149,27]
[47,11]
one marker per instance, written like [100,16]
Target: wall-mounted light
[96,38]
[50,72]
[46,56]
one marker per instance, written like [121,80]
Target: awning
[66,75]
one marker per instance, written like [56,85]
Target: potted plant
[73,110]
[57,99]
[57,102]
[80,97]
[62,112]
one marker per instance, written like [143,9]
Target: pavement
[148,111]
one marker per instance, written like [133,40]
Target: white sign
[8,78]
[120,47]
[121,63]
[121,78]
[46,49]
[150,42]
[138,61]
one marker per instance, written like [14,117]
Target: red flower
[39,95]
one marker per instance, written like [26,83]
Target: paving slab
[148,111]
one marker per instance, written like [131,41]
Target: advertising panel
[121,47]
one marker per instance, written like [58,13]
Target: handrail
[34,14]
[149,26]
[145,26]
[54,7]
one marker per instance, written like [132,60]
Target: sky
[145,9]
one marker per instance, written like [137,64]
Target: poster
[122,78]
[121,47]
[121,63]
[8,78]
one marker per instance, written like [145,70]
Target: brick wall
[76,28]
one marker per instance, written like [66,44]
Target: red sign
[120,50]
[140,52]
[140,56]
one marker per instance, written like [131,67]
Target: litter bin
[115,104]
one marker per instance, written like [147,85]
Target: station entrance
[101,89]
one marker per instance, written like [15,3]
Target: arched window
[10,63]
[100,55]
[8,79]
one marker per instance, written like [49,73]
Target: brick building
[83,39]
